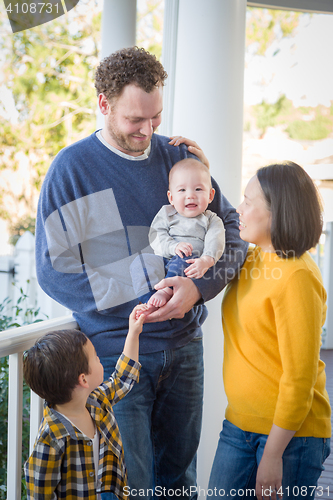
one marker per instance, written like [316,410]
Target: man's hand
[192,147]
[185,296]
[184,249]
[198,266]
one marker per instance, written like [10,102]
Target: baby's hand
[137,319]
[198,267]
[183,249]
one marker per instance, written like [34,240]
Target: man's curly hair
[125,66]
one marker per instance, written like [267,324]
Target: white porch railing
[326,266]
[14,342]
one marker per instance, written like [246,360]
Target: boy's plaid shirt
[62,463]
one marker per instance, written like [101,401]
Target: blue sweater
[93,219]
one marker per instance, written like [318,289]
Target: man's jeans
[239,453]
[160,421]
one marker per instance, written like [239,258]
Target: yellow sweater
[272,320]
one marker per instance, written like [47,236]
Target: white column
[118,25]
[118,31]
[169,58]
[208,103]
[328,283]
[208,108]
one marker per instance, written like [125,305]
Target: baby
[185,232]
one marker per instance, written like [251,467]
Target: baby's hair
[52,366]
[189,164]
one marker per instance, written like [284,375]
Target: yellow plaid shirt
[62,463]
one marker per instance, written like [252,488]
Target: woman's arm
[298,314]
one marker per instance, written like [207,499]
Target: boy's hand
[137,319]
[183,249]
[198,267]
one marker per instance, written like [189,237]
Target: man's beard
[125,141]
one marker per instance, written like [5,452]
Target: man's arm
[227,267]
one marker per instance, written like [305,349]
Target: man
[97,202]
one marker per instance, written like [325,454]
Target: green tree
[268,114]
[49,72]
[318,128]
[267,26]
[150,26]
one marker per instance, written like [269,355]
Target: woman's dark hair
[295,207]
[52,366]
[125,66]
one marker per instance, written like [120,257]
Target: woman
[276,434]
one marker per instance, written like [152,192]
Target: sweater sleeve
[122,380]
[159,238]
[299,317]
[215,238]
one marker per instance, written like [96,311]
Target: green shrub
[12,316]
[267,114]
[313,130]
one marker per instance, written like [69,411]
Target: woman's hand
[192,147]
[269,478]
[269,475]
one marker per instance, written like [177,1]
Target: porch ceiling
[323,6]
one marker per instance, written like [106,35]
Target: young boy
[78,452]
[185,228]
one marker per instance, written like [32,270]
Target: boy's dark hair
[295,207]
[52,366]
[130,65]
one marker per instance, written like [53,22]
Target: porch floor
[326,479]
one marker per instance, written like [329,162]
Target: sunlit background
[47,98]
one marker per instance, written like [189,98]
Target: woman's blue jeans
[160,421]
[239,453]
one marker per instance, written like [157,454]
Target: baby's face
[190,191]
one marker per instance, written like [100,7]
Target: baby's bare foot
[160,298]
[150,309]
